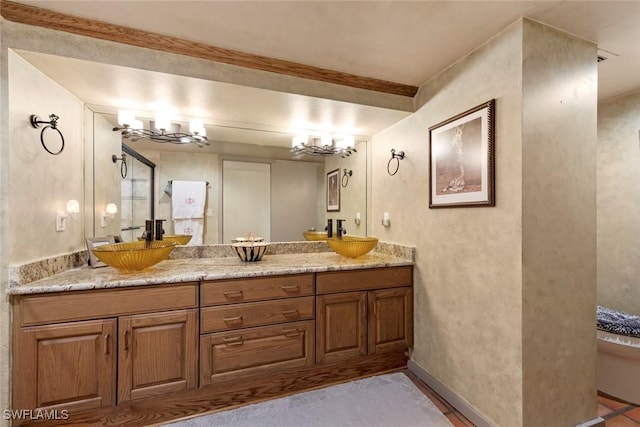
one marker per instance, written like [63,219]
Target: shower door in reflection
[136,194]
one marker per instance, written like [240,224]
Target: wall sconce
[161,129]
[110,212]
[73,208]
[323,144]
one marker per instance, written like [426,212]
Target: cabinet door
[68,365]
[390,319]
[157,353]
[263,350]
[341,326]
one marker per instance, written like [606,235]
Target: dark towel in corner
[618,322]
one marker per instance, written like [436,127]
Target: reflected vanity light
[132,128]
[72,210]
[110,212]
[324,144]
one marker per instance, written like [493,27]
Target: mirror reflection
[252,184]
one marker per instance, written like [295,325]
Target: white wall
[479,289]
[619,203]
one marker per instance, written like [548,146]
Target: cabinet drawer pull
[293,288]
[233,294]
[230,341]
[106,344]
[291,332]
[290,312]
[126,340]
[233,319]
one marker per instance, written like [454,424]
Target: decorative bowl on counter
[352,246]
[315,235]
[134,256]
[179,239]
[250,251]
[247,239]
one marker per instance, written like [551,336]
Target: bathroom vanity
[197,334]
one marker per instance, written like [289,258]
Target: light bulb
[73,207]
[299,140]
[126,117]
[196,126]
[163,121]
[111,209]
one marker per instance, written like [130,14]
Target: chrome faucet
[341,230]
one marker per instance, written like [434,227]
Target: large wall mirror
[254,184]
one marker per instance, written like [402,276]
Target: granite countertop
[196,269]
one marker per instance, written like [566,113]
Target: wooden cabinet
[354,318]
[256,326]
[158,353]
[341,326]
[68,365]
[89,349]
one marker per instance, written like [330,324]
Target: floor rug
[384,401]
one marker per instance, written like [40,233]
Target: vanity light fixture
[73,208]
[110,212]
[322,145]
[163,132]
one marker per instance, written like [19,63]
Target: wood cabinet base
[234,393]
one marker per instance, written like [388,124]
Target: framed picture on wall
[461,159]
[94,242]
[333,191]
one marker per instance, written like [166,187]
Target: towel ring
[123,166]
[345,177]
[53,124]
[397,157]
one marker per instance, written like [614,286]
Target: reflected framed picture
[461,159]
[333,191]
[94,242]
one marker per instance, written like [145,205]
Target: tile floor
[616,413]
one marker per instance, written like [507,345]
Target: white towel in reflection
[192,227]
[188,199]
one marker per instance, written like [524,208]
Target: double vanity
[203,331]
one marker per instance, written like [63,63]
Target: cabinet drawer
[364,280]
[255,289]
[229,355]
[81,305]
[235,316]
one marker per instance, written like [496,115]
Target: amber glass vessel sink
[315,235]
[352,246]
[134,256]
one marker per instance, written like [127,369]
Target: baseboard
[460,404]
[596,422]
[463,406]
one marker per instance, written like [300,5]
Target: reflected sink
[179,239]
[315,235]
[134,256]
[352,246]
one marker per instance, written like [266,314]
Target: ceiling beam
[45,18]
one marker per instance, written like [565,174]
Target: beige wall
[619,203]
[5,308]
[559,132]
[354,195]
[41,183]
[478,286]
